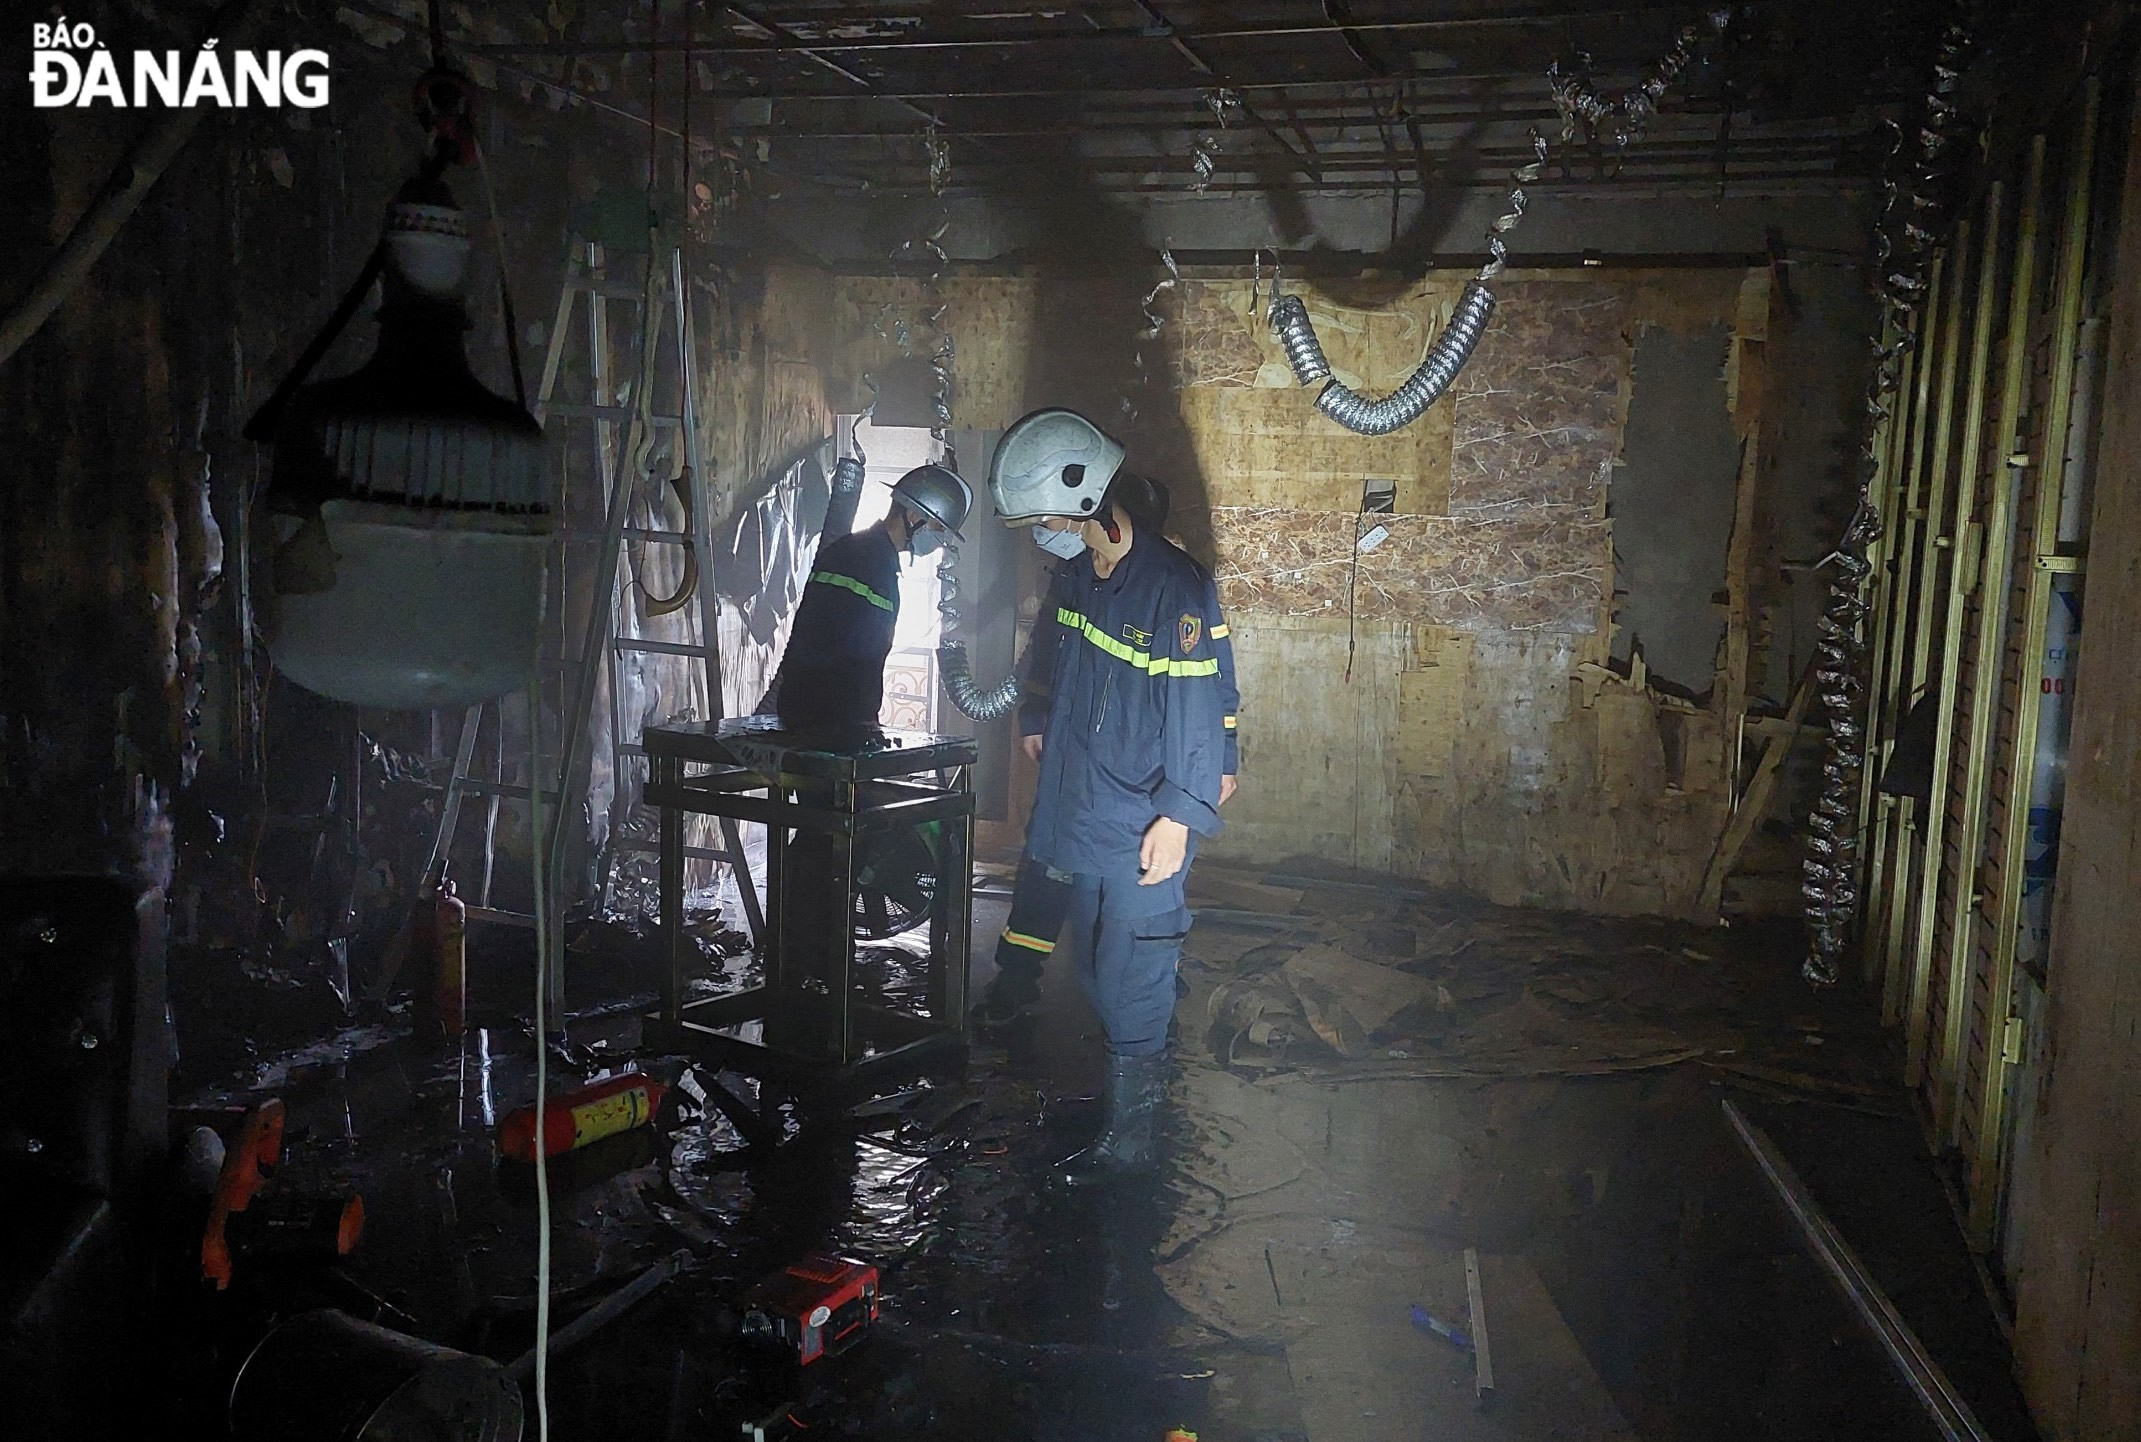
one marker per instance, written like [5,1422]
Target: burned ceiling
[1249,96]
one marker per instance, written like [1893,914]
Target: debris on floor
[1370,1081]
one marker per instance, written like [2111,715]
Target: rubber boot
[1136,1087]
[1011,994]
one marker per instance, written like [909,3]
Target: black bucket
[326,1377]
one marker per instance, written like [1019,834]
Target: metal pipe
[1986,1163]
[1943,1405]
[97,227]
[1917,1014]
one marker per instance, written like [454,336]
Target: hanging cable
[1289,318]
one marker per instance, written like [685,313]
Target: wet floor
[1256,1290]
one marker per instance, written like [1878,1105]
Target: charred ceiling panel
[1672,505]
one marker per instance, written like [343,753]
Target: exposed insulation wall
[1499,488]
[1480,742]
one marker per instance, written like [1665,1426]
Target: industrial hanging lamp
[406,521]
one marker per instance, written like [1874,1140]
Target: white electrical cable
[542,1055]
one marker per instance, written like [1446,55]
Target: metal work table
[821,800]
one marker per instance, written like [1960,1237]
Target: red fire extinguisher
[575,1119]
[450,936]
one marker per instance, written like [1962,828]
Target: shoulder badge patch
[1188,630]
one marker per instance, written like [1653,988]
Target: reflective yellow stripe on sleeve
[849,583]
[1229,723]
[1221,630]
[1149,664]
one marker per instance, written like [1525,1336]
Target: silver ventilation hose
[1903,249]
[1406,404]
[1447,356]
[980,705]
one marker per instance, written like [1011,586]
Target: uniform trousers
[1125,941]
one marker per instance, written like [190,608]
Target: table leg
[668,771]
[842,890]
[773,939]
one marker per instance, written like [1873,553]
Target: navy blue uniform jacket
[833,672]
[1136,708]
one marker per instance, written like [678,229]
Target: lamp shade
[406,515]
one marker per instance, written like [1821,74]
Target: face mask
[925,542]
[1061,544]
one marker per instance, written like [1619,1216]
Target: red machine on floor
[818,1307]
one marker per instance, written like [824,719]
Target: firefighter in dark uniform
[1132,752]
[832,676]
[831,681]
[1040,897]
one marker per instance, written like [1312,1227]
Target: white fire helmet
[1053,462]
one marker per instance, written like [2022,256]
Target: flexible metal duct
[990,705]
[952,663]
[847,492]
[1445,358]
[1903,248]
[1578,104]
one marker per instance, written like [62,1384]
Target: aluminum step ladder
[623,435]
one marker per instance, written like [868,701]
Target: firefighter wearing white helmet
[1052,463]
[832,676]
[1131,717]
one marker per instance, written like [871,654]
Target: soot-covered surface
[1641,1281]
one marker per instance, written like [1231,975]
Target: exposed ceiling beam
[794,42]
[1188,51]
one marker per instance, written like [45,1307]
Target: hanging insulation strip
[933,303]
[1579,106]
[1154,324]
[1204,159]
[1903,249]
[1622,118]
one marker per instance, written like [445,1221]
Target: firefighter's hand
[1226,789]
[1032,746]
[1166,842]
